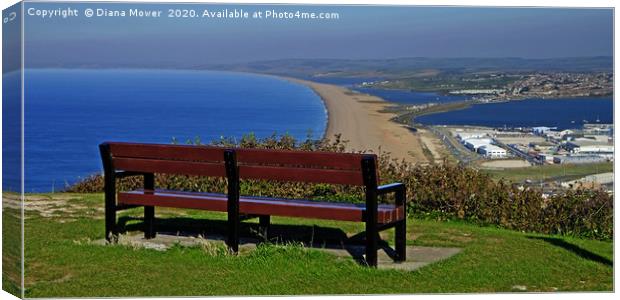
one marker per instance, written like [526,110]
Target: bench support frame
[149,211]
[264,222]
[369,170]
[400,231]
[110,192]
[232,175]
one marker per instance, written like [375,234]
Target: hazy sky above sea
[360,33]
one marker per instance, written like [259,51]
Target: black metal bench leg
[110,222]
[110,193]
[369,171]
[264,222]
[400,231]
[232,206]
[149,222]
[149,211]
[372,237]
[400,237]
[110,209]
[233,233]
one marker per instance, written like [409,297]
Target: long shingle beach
[359,119]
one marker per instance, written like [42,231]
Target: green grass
[448,82]
[11,252]
[547,172]
[61,261]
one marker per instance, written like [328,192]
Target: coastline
[360,120]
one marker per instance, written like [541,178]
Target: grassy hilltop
[64,259]
[417,66]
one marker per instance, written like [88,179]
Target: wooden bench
[132,159]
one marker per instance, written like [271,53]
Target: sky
[360,32]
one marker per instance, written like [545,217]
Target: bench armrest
[399,190]
[390,188]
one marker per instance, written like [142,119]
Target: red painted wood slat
[261,206]
[301,175]
[304,159]
[168,152]
[268,164]
[169,167]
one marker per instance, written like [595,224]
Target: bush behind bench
[438,191]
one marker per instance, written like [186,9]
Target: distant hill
[410,66]
[388,68]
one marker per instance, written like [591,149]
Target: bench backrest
[306,166]
[169,159]
[262,164]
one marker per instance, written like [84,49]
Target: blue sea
[347,82]
[561,113]
[410,96]
[400,96]
[69,112]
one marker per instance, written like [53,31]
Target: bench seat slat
[261,205]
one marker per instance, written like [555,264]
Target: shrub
[439,191]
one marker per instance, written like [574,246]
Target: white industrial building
[596,149]
[492,151]
[596,138]
[606,129]
[584,147]
[558,135]
[541,130]
[462,136]
[579,159]
[482,144]
[474,143]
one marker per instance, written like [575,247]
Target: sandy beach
[359,119]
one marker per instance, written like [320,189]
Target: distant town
[496,87]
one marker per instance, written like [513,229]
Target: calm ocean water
[69,112]
[411,97]
[393,95]
[561,113]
